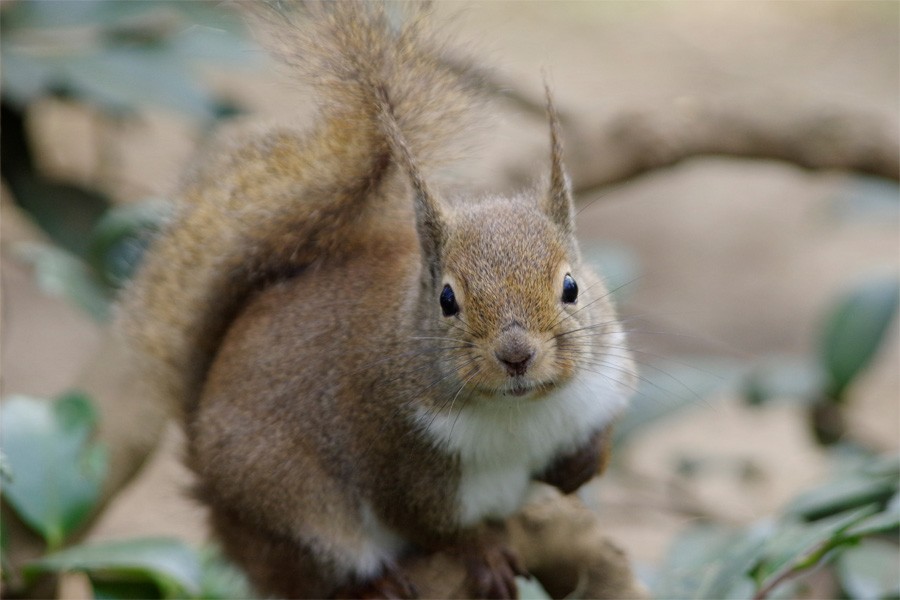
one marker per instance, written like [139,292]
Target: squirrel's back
[267,205]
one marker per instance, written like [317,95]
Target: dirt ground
[738,259]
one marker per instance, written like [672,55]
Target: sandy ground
[742,256]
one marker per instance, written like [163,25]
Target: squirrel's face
[516,299]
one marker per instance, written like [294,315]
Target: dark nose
[515,359]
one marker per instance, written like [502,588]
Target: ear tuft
[558,204]
[429,216]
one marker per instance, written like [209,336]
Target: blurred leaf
[872,198]
[887,465]
[58,474]
[845,493]
[885,522]
[138,53]
[67,213]
[797,545]
[24,78]
[870,571]
[48,14]
[854,330]
[668,388]
[220,580]
[5,470]
[120,80]
[124,590]
[168,563]
[61,274]
[119,240]
[531,589]
[785,377]
[710,562]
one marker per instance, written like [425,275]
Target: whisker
[596,362]
[459,412]
[562,310]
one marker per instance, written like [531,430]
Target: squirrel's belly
[494,491]
[379,545]
[502,444]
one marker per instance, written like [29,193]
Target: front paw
[491,572]
[571,471]
[392,584]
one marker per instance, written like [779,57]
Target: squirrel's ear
[429,218]
[430,225]
[558,204]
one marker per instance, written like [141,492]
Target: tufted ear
[558,204]
[430,221]
[430,225]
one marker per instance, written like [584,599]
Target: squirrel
[364,367]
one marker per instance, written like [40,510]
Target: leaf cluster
[52,476]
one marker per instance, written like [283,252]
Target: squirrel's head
[508,297]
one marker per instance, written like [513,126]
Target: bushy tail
[264,205]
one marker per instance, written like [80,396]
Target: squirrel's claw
[392,584]
[492,573]
[568,473]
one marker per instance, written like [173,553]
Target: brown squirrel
[365,368]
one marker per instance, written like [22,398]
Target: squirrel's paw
[392,584]
[568,473]
[492,571]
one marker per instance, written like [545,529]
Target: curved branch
[807,132]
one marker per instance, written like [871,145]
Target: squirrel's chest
[501,446]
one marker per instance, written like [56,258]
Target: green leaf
[711,562]
[66,212]
[842,494]
[76,413]
[119,240]
[668,387]
[871,570]
[124,590]
[220,580]
[785,377]
[854,331]
[794,544]
[142,53]
[168,563]
[123,79]
[25,78]
[58,474]
[6,474]
[531,589]
[61,274]
[873,199]
[887,521]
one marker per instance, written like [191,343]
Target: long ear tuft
[429,217]
[558,204]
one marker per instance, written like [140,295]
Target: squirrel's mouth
[520,388]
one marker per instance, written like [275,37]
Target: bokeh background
[733,274]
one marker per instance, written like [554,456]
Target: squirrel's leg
[392,583]
[278,565]
[491,566]
[569,472]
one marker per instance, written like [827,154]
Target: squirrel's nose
[516,360]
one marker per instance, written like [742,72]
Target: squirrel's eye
[570,290]
[448,302]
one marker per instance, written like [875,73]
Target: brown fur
[291,312]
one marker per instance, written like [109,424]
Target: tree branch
[808,132]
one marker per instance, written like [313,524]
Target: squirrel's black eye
[570,290]
[448,302]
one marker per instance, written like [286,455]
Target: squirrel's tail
[264,206]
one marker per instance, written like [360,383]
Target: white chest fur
[501,445]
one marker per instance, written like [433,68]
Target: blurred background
[736,171]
